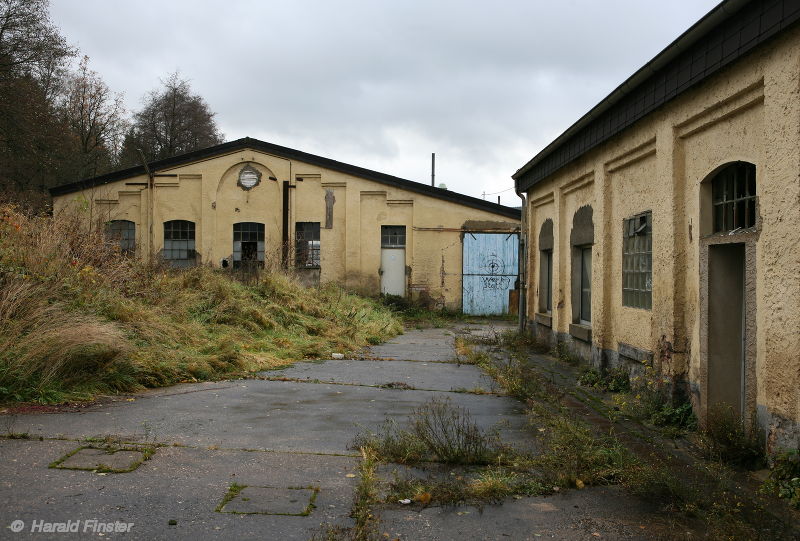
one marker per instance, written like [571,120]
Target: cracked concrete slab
[181,484]
[275,415]
[591,514]
[420,375]
[253,500]
[93,458]
[280,434]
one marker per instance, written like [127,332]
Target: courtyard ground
[272,457]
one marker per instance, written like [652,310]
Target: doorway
[490,267]
[393,260]
[726,325]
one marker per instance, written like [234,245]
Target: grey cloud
[373,79]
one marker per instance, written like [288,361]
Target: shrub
[615,380]
[784,477]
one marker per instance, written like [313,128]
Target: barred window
[179,247]
[733,192]
[124,233]
[637,261]
[307,244]
[393,236]
[248,244]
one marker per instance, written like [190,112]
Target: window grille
[734,197]
[393,236]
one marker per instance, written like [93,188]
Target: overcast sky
[382,84]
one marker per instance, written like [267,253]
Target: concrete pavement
[285,436]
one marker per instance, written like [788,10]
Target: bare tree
[95,117]
[174,120]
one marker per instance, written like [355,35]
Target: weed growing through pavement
[725,438]
[436,431]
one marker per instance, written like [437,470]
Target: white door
[393,271]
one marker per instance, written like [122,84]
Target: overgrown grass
[574,455]
[437,431]
[77,318]
[419,313]
[489,485]
[725,438]
[615,380]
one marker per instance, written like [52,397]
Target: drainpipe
[151,185]
[285,225]
[523,263]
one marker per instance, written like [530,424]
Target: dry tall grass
[78,318]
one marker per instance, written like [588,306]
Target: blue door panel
[490,267]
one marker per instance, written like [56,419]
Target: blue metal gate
[490,267]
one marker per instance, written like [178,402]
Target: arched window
[733,196]
[179,247]
[248,245]
[124,233]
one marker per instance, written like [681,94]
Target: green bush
[784,477]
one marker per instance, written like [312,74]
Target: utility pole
[433,169]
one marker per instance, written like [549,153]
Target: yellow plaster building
[251,203]
[664,225]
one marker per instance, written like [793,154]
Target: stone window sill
[544,319]
[581,332]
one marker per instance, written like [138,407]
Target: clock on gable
[249,177]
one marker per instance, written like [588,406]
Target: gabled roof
[292,154]
[725,34]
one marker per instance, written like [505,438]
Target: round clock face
[249,177]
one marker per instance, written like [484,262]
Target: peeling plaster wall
[748,112]
[206,192]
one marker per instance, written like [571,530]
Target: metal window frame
[307,245]
[180,234]
[637,261]
[733,197]
[124,232]
[248,232]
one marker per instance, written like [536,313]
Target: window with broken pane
[248,245]
[733,193]
[122,232]
[637,261]
[307,244]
